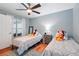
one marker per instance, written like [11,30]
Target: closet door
[5,31]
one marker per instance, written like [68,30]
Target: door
[5,31]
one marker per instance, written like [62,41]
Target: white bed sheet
[23,43]
[63,48]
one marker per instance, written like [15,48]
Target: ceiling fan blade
[28,13]
[21,9]
[24,5]
[36,6]
[36,12]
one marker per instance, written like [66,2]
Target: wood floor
[3,52]
[39,48]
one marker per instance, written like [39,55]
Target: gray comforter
[63,48]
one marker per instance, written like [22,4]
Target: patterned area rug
[26,53]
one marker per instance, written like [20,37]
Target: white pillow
[66,36]
[37,33]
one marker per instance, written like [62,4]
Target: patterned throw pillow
[33,34]
[59,37]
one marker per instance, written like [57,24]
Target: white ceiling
[46,8]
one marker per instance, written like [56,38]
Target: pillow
[35,34]
[59,37]
[66,36]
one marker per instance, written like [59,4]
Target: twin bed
[24,42]
[64,48]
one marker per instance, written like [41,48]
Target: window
[17,26]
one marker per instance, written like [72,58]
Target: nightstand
[46,39]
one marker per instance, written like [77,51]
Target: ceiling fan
[30,9]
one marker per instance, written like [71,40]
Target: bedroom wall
[76,22]
[53,22]
[27,26]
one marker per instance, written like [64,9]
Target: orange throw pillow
[33,34]
[59,37]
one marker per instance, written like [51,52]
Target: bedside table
[46,39]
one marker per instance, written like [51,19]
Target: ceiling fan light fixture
[29,10]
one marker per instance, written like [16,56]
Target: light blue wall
[76,22]
[63,19]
